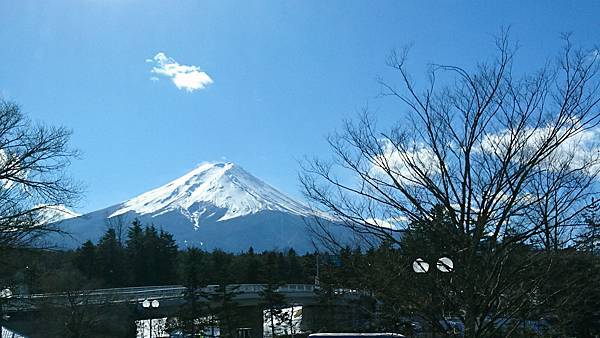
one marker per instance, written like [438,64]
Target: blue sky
[283,74]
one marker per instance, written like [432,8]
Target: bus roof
[350,335]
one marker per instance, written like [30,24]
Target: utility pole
[317,283]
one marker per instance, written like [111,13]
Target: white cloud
[580,149]
[190,78]
[419,156]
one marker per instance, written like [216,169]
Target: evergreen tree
[283,268]
[221,262]
[110,260]
[589,238]
[151,247]
[85,259]
[273,302]
[190,315]
[166,258]
[296,270]
[252,268]
[136,258]
[225,309]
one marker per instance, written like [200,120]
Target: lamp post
[4,294]
[443,265]
[147,304]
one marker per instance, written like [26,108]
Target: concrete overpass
[23,308]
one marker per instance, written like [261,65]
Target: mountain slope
[216,205]
[55,213]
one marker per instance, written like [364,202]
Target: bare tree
[33,182]
[120,226]
[512,161]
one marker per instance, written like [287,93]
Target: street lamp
[147,304]
[444,264]
[4,294]
[420,266]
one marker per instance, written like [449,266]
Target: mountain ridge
[221,184]
[216,205]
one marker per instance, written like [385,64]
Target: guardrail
[256,288]
[140,293]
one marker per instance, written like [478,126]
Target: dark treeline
[147,255]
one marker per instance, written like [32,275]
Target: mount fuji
[216,205]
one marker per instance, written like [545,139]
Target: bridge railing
[94,297]
[257,288]
[140,293]
[297,288]
[162,291]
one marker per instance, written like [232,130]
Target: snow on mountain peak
[54,213]
[211,187]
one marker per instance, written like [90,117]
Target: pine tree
[190,315]
[225,309]
[85,259]
[252,268]
[273,302]
[135,253]
[151,249]
[166,258]
[296,270]
[110,259]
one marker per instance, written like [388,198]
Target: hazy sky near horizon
[153,88]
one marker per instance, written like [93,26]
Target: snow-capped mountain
[213,186]
[216,205]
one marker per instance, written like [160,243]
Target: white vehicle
[356,335]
